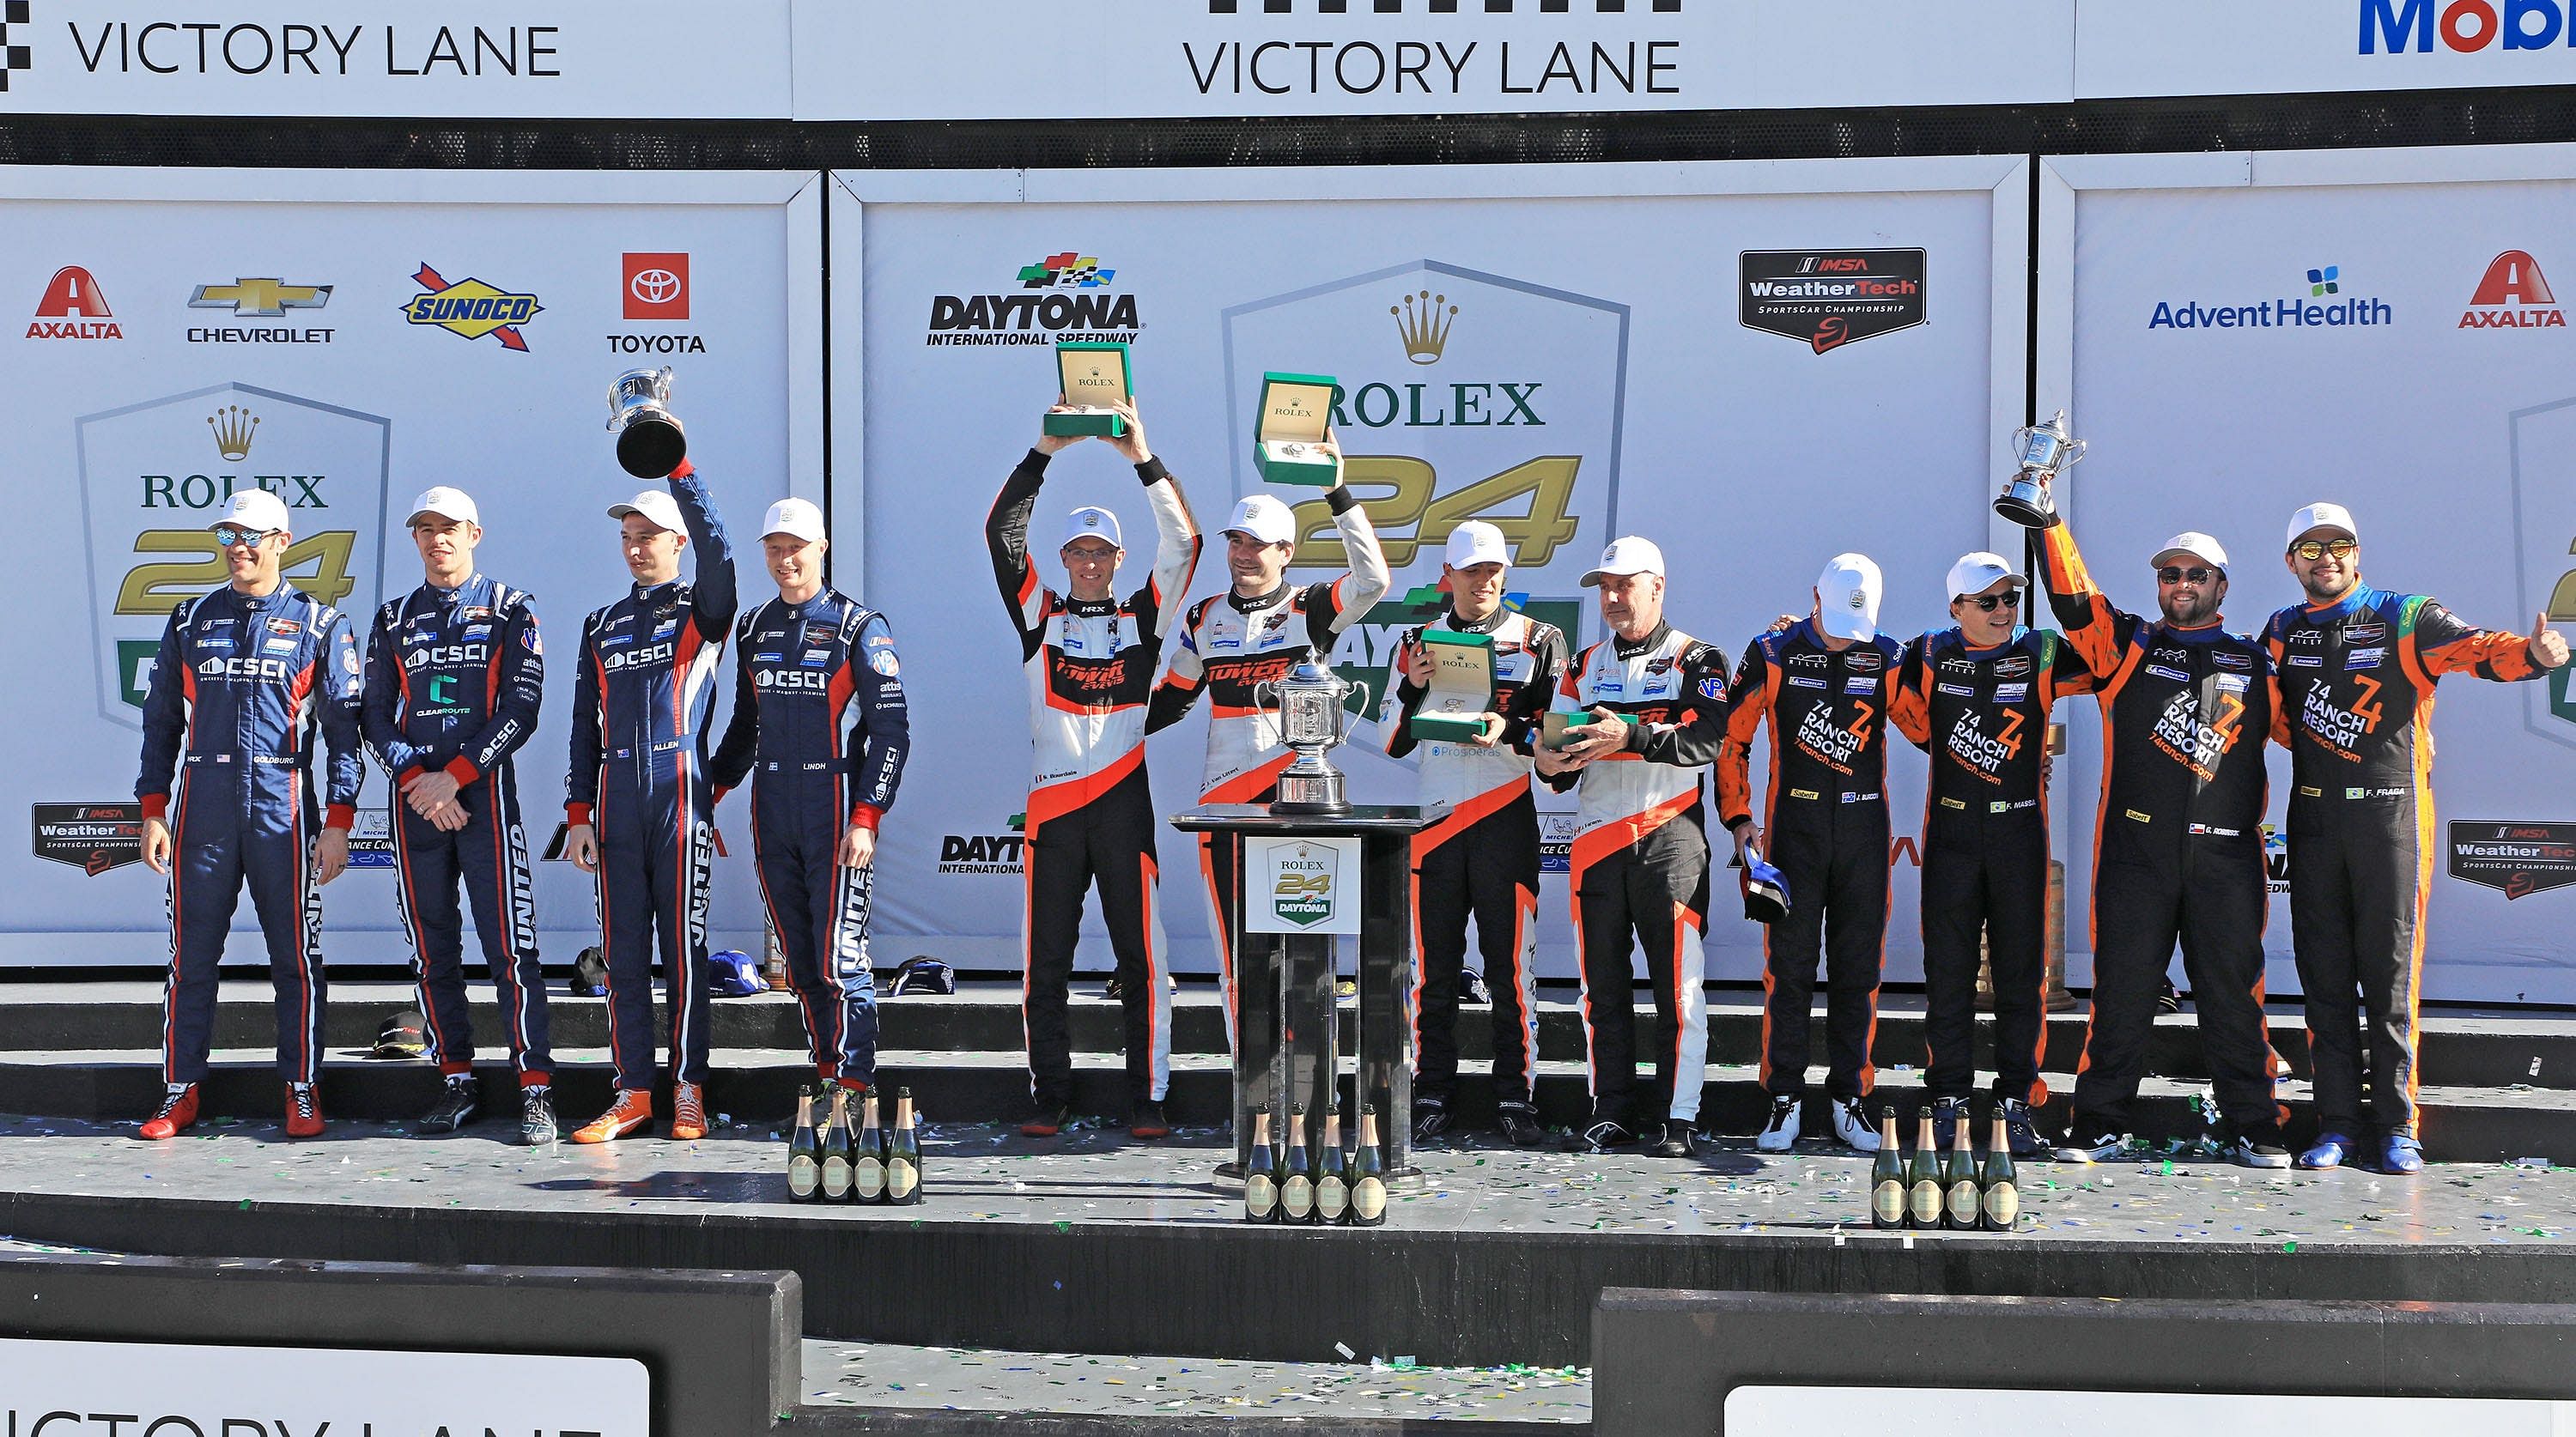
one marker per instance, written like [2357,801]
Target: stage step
[758,1086]
[2534,1049]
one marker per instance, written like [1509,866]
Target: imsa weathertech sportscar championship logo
[154,476]
[92,837]
[1830,298]
[2517,858]
[470,309]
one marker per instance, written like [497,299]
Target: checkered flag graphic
[14,56]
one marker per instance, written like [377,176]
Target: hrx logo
[2513,295]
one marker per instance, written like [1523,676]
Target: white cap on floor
[1847,597]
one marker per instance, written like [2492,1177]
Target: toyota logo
[655,286]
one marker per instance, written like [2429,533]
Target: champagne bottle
[1887,1177]
[1959,1179]
[903,1156]
[2002,1205]
[836,1148]
[804,1164]
[1368,1179]
[1297,1181]
[1923,1179]
[868,1161]
[1333,1185]
[1261,1174]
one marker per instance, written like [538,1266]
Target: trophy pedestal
[1286,1029]
[1310,793]
[1084,424]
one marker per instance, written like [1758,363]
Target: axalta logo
[471,309]
[2513,295]
[2323,306]
[73,308]
[1060,294]
[2464,26]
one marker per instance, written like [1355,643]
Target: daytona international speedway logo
[1066,271]
[470,309]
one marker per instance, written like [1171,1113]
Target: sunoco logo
[470,309]
[1062,294]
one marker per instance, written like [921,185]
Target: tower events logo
[1830,298]
[1063,294]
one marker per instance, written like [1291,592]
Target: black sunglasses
[1989,602]
[2175,574]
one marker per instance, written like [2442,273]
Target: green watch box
[1461,691]
[1096,379]
[1288,433]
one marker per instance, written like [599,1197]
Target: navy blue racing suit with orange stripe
[455,678]
[1481,861]
[1982,715]
[1640,865]
[1229,644]
[2357,679]
[1090,670]
[2178,855]
[643,695]
[1825,828]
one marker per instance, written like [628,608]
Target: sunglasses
[2175,574]
[226,536]
[2314,549]
[1989,602]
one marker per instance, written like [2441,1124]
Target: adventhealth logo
[2322,307]
[2467,26]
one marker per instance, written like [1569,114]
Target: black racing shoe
[1430,1119]
[1600,1135]
[2259,1145]
[2021,1133]
[455,1108]
[1519,1123]
[537,1126]
[2100,1145]
[1051,1119]
[1678,1139]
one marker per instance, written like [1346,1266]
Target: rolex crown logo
[233,426]
[1424,325]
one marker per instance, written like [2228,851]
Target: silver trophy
[2046,451]
[1308,708]
[650,443]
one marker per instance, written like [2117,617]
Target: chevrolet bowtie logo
[264,298]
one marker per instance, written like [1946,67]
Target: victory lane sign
[1553,51]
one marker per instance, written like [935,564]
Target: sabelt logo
[154,477]
[470,309]
[73,308]
[1064,293]
[2513,294]
[2465,27]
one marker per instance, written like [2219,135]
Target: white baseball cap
[446,503]
[1626,555]
[1978,572]
[1847,597]
[255,509]
[796,518]
[658,508]
[2321,516]
[1263,518]
[2196,544]
[1092,522]
[1477,542]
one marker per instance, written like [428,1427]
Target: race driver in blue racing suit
[637,796]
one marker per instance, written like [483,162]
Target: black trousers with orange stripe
[1985,876]
[1108,841]
[2359,870]
[1655,893]
[1488,871]
[1834,857]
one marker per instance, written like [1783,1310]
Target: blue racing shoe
[2400,1155]
[2330,1150]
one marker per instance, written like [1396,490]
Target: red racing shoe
[632,1110]
[303,1111]
[688,1112]
[177,1113]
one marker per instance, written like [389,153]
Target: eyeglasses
[1989,602]
[2314,549]
[2176,574]
[1089,555]
[226,536]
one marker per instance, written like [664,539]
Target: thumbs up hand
[2548,646]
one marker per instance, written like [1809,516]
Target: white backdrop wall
[2446,423]
[1604,297]
[116,466]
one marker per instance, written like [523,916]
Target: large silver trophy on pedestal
[650,443]
[2046,451]
[1307,706]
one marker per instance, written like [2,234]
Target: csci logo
[2463,26]
[806,680]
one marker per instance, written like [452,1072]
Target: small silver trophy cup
[1307,706]
[2046,451]
[650,443]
